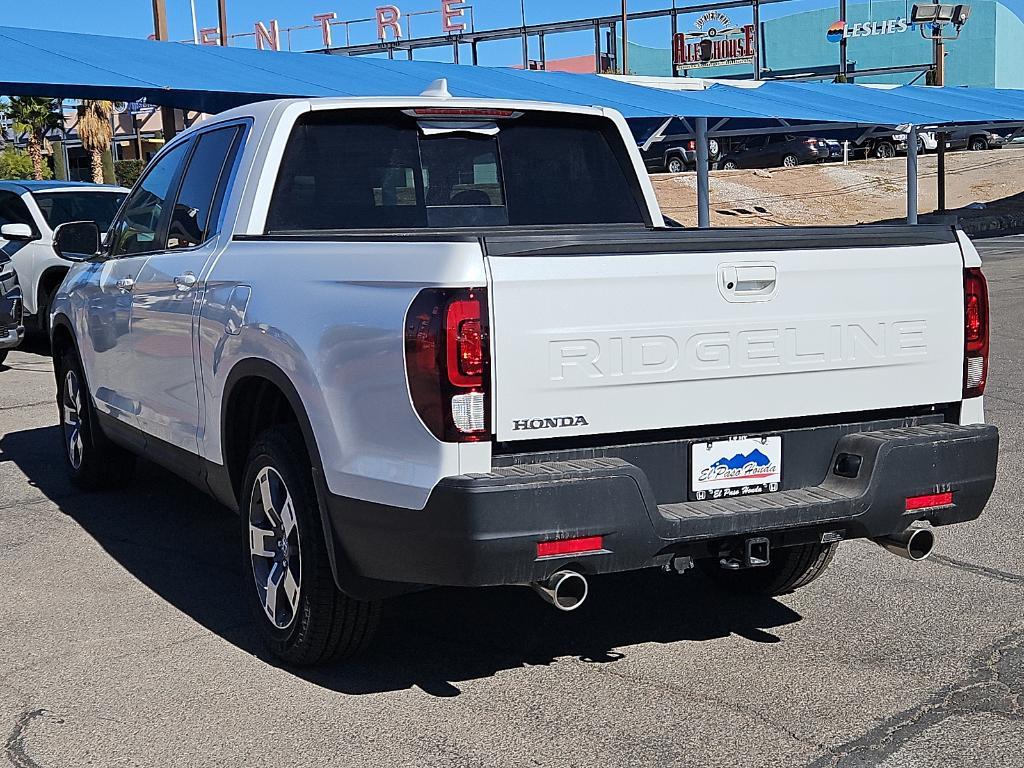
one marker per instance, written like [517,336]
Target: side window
[14,211]
[144,216]
[196,213]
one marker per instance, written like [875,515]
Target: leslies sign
[714,41]
[388,18]
[840,30]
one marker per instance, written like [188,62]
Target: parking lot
[124,641]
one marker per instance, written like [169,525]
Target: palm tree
[36,118]
[94,131]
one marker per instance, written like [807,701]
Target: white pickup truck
[436,341]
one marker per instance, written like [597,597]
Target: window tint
[61,207]
[13,210]
[196,214]
[144,218]
[356,170]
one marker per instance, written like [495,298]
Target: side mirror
[77,240]
[17,232]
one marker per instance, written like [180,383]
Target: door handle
[125,284]
[185,282]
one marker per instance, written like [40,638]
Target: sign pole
[222,21]
[168,118]
[842,43]
[625,40]
[756,9]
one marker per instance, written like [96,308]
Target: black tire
[675,165]
[728,165]
[316,623]
[978,144]
[3,356]
[93,461]
[884,150]
[790,161]
[790,569]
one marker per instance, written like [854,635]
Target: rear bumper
[483,529]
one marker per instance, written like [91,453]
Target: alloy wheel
[72,411]
[274,548]
[789,161]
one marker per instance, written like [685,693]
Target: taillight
[691,145]
[447,362]
[975,332]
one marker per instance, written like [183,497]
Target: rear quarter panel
[330,315]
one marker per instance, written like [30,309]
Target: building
[987,54]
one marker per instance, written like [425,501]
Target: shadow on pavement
[184,547]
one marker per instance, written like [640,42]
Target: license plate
[739,467]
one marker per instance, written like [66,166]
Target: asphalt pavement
[123,641]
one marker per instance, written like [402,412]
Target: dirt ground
[863,191]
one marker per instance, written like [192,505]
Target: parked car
[29,213]
[926,142]
[775,150]
[406,363]
[676,155]
[12,327]
[973,138]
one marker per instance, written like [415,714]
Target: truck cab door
[107,296]
[169,291]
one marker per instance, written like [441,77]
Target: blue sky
[134,18]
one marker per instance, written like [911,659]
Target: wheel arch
[49,278]
[62,338]
[252,383]
[274,389]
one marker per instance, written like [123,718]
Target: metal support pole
[597,46]
[912,175]
[167,115]
[675,31]
[625,39]
[543,54]
[842,42]
[473,52]
[222,21]
[526,39]
[940,176]
[455,52]
[758,38]
[703,180]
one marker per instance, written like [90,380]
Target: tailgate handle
[755,279]
[746,282]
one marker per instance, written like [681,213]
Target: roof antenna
[437,89]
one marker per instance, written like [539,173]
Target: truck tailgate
[683,328]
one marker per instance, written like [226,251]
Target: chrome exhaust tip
[913,544]
[566,590]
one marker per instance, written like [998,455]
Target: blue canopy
[211,79]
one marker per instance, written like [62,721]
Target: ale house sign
[713,42]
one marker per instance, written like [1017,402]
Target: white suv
[29,213]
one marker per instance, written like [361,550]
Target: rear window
[353,169]
[61,207]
